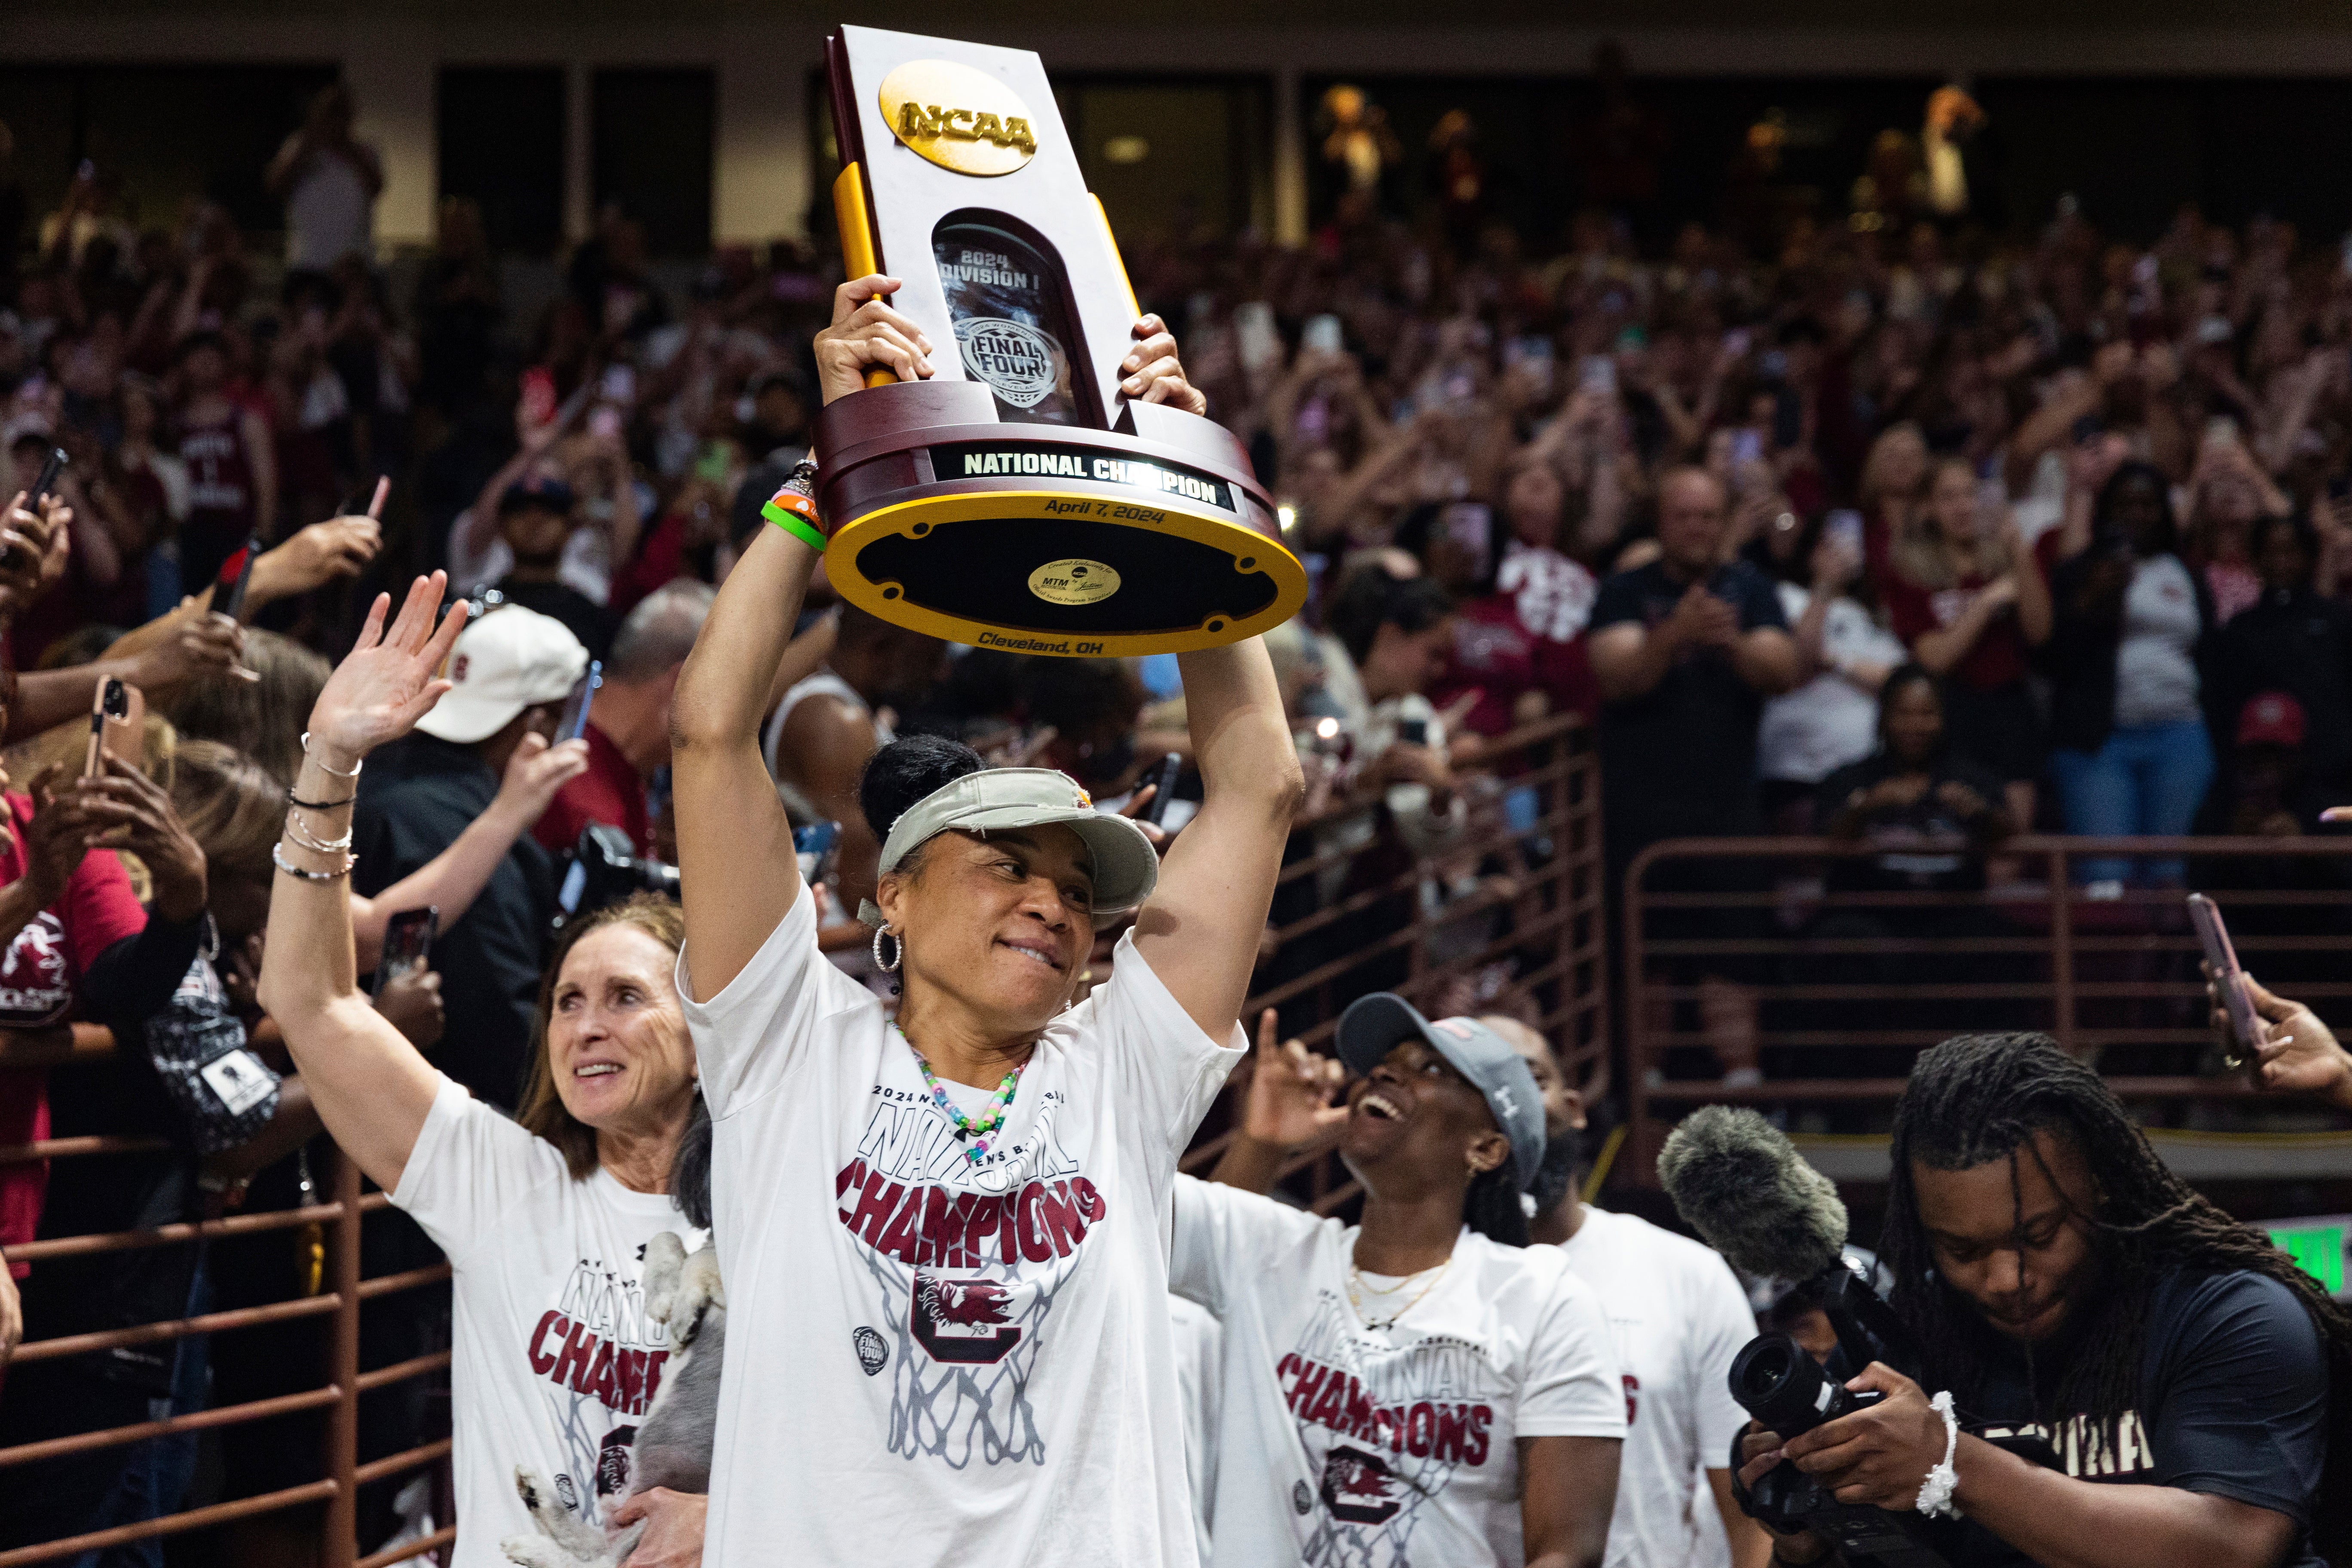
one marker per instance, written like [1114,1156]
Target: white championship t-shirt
[929,1363]
[1679,1317]
[1383,1447]
[553,1362]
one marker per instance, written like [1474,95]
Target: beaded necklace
[973,1134]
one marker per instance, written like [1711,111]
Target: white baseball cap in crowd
[508,660]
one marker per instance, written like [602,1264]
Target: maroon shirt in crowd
[609,792]
[40,975]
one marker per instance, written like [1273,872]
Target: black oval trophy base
[1152,538]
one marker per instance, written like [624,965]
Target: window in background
[1165,155]
[157,135]
[654,152]
[500,131]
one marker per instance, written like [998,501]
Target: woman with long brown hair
[1963,591]
[545,1221]
[1892,489]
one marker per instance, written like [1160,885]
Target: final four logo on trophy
[1017,500]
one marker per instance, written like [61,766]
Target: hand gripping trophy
[1017,500]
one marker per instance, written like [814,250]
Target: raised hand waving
[390,677]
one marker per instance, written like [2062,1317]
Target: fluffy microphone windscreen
[1739,1182]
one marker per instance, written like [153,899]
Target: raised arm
[1199,932]
[372,1088]
[737,873]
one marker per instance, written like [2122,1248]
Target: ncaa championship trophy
[1017,500]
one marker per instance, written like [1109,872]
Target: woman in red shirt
[1523,603]
[1964,594]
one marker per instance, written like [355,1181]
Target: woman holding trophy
[944,1240]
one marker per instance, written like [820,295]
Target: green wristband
[791,522]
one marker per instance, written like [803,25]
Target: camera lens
[1785,1389]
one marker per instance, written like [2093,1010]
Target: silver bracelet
[323,767]
[277,858]
[302,835]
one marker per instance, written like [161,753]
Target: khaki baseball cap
[508,660]
[1127,867]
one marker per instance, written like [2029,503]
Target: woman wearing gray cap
[1423,1388]
[944,1240]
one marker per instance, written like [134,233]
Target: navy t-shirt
[2233,1403]
[1681,758]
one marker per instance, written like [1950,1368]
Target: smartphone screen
[1470,524]
[817,846]
[2222,958]
[115,715]
[1163,779]
[1413,732]
[575,722]
[236,572]
[47,483]
[407,942]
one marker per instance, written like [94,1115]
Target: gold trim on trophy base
[1049,613]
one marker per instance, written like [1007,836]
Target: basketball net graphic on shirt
[1402,1419]
[600,1361]
[966,1264]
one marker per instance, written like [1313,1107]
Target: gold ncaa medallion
[958,117]
[1074,582]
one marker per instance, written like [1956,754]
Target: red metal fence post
[340,1547]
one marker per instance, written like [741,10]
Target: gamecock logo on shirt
[1358,1488]
[964,1322]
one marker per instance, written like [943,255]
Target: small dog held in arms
[673,1444]
[686,1296]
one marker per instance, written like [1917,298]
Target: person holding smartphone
[2295,1052]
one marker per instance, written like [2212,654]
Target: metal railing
[1843,979]
[1533,931]
[341,1296]
[1538,920]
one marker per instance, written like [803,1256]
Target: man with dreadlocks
[2064,1283]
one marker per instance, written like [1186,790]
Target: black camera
[605,867]
[1777,1382]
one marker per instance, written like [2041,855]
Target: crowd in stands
[1887,533]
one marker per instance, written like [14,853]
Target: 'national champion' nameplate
[995,460]
[1016,499]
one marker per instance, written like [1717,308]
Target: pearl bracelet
[1942,1480]
[277,858]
